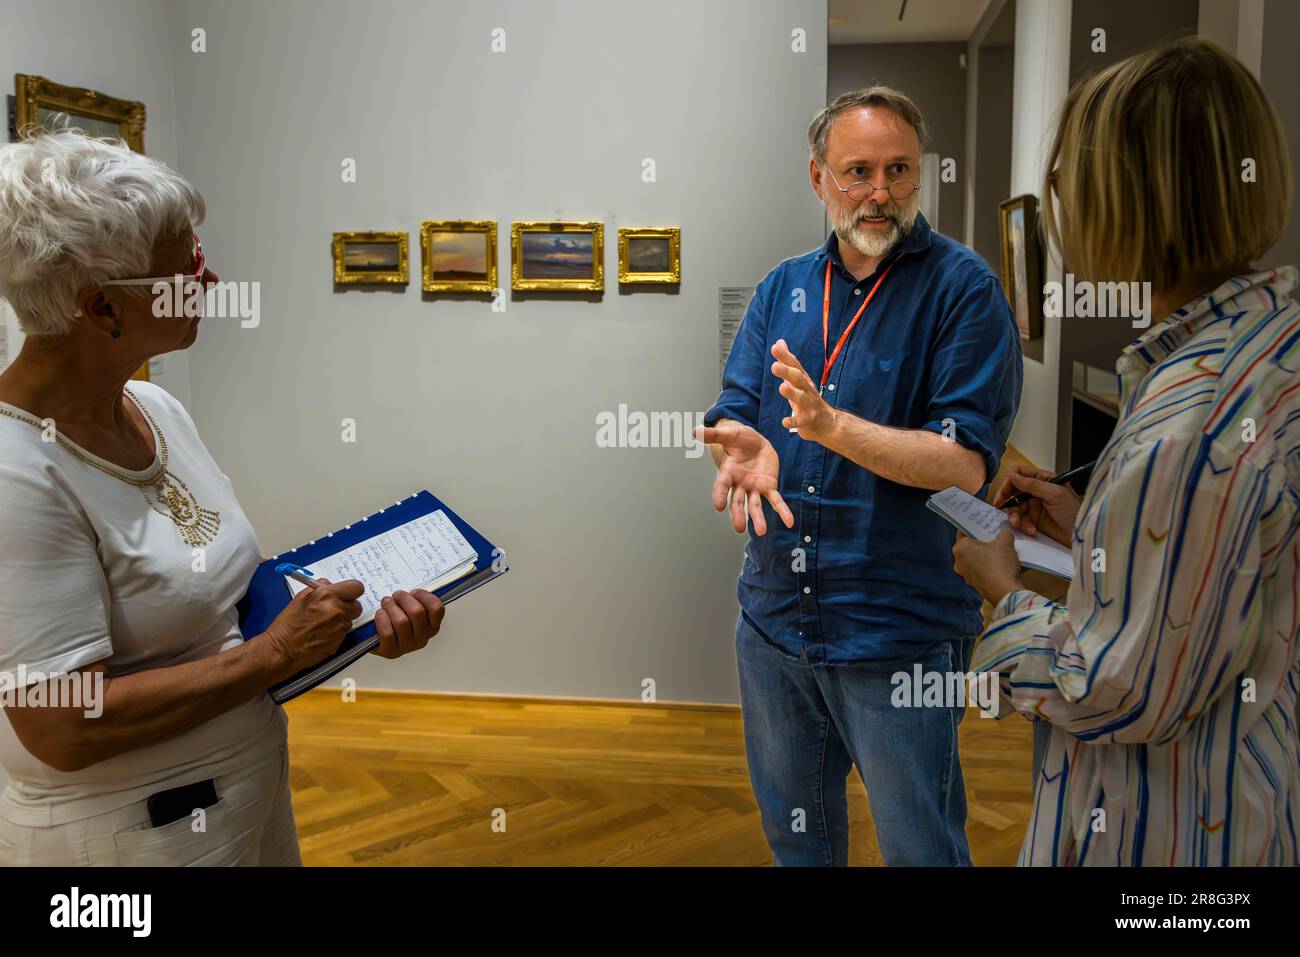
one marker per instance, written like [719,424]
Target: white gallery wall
[621,571]
[1041,69]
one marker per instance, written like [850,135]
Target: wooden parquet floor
[416,779]
[421,779]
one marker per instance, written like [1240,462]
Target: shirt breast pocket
[876,386]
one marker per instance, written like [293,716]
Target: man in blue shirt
[866,375]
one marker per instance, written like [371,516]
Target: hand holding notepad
[982,521]
[417,543]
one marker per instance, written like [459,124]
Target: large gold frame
[487,227]
[674,274]
[594,284]
[398,277]
[32,92]
[1032,328]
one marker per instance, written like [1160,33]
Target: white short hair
[76,211]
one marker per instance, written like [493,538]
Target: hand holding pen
[404,621]
[1037,500]
[313,625]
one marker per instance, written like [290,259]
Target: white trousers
[250,825]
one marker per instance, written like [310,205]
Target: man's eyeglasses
[898,189]
[200,267]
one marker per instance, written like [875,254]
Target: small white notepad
[428,552]
[982,521]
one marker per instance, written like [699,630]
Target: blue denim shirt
[937,348]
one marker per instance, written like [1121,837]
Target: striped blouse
[1170,675]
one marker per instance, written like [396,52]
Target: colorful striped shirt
[1170,676]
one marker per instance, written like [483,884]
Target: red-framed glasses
[200,267]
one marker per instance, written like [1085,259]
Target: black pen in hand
[1083,471]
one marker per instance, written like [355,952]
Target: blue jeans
[806,726]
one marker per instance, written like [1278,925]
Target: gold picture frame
[95,110]
[629,257]
[452,280]
[370,266]
[542,268]
[1022,262]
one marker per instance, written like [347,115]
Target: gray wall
[931,75]
[1131,27]
[995,86]
[620,568]
[1280,75]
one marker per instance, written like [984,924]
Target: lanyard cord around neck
[829,362]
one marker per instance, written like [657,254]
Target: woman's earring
[117,333]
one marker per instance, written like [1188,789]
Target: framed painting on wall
[651,255]
[370,258]
[558,256]
[458,255]
[1022,262]
[44,103]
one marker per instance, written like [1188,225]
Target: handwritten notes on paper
[977,519]
[427,552]
[982,521]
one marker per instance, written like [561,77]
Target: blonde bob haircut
[1168,166]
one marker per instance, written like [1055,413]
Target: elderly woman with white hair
[177,755]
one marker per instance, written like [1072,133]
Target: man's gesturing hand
[809,412]
[748,471]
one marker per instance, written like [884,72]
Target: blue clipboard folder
[268,592]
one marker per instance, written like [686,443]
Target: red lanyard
[828,364]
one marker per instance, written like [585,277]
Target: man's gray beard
[874,243]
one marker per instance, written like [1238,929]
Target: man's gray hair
[76,211]
[819,130]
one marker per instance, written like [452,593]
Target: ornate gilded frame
[1030,326]
[399,276]
[674,273]
[594,284]
[486,227]
[34,92]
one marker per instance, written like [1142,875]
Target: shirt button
[806,589]
[857,292]
[811,489]
[831,387]
[807,538]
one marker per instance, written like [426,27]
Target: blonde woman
[1169,677]
[106,491]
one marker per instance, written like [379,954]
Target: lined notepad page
[427,552]
[977,519]
[980,520]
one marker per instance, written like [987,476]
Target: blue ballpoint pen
[297,573]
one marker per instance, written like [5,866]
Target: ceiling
[876,21]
